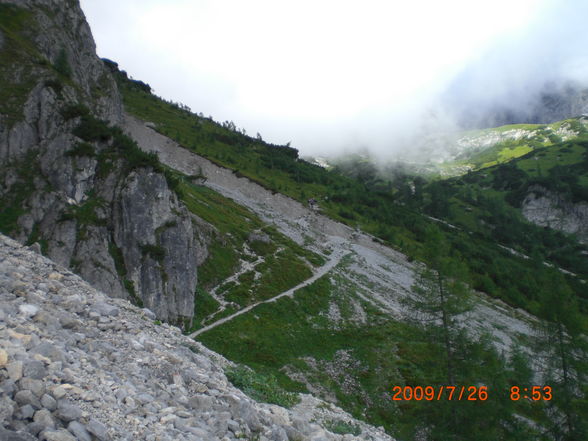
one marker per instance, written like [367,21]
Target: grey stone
[258,236]
[28,310]
[34,369]
[9,435]
[44,418]
[18,426]
[15,370]
[58,435]
[23,397]
[220,425]
[148,313]
[8,387]
[35,386]
[36,248]
[144,398]
[233,426]
[59,392]
[48,402]
[34,428]
[68,321]
[201,403]
[293,434]
[50,351]
[6,409]
[556,210]
[27,411]
[301,425]
[98,429]
[278,434]
[79,431]
[105,309]
[67,411]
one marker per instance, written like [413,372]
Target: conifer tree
[561,337]
[441,297]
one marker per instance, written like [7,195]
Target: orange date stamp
[439,393]
[467,393]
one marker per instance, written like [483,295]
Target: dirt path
[332,263]
[382,275]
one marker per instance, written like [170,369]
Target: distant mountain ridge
[554,102]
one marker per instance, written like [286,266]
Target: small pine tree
[561,337]
[62,64]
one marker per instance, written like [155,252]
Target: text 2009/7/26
[430,393]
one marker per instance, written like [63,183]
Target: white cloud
[323,74]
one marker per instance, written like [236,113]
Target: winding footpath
[332,263]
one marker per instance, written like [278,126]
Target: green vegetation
[85,215]
[567,358]
[155,252]
[535,136]
[29,179]
[18,60]
[280,335]
[487,204]
[62,64]
[343,427]
[204,306]
[115,148]
[359,364]
[71,111]
[82,149]
[283,264]
[260,387]
[35,237]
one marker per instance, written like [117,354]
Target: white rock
[28,310]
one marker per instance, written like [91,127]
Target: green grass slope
[276,262]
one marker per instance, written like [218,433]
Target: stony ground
[78,365]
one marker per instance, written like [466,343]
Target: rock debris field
[78,365]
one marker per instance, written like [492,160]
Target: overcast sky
[335,75]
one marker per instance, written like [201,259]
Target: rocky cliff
[550,209]
[71,181]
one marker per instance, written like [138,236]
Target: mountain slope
[77,365]
[326,337]
[343,320]
[222,222]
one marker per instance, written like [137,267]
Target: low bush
[260,387]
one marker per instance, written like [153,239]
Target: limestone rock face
[550,209]
[157,245]
[119,226]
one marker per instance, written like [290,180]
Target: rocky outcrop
[53,58]
[549,209]
[74,184]
[77,365]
